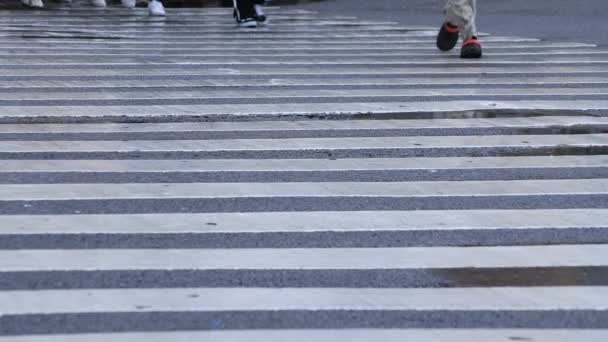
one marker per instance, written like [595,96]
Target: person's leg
[128,3]
[244,13]
[460,18]
[98,3]
[244,9]
[156,8]
[33,3]
[260,16]
[461,13]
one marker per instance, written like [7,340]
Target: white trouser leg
[462,14]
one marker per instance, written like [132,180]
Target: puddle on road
[469,114]
[541,276]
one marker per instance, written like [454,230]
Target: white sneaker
[33,3]
[129,3]
[98,3]
[156,8]
[247,23]
[259,12]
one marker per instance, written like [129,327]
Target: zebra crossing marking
[261,222]
[305,258]
[268,299]
[329,335]
[126,252]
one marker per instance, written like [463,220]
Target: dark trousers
[245,9]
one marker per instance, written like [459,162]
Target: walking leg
[460,18]
[462,13]
[243,10]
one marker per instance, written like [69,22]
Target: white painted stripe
[54,192]
[261,69]
[403,54]
[227,30]
[210,16]
[223,29]
[279,22]
[177,19]
[184,35]
[249,299]
[128,18]
[294,165]
[303,258]
[18,112]
[75,46]
[236,40]
[441,60]
[351,335]
[255,43]
[310,125]
[146,82]
[306,144]
[186,54]
[119,12]
[126,25]
[203,18]
[134,14]
[219,26]
[268,222]
[60,18]
[221,34]
[296,93]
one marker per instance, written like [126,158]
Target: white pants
[462,14]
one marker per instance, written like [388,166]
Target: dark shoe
[247,23]
[447,37]
[244,22]
[471,49]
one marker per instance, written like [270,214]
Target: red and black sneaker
[447,37]
[471,49]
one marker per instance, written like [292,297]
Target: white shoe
[260,17]
[247,23]
[156,8]
[98,3]
[33,3]
[259,10]
[129,3]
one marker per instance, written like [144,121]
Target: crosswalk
[322,178]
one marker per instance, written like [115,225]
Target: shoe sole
[248,24]
[471,51]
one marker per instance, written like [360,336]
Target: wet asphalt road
[558,20]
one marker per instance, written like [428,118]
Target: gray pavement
[321,178]
[557,20]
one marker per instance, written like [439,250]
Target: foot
[447,37]
[471,49]
[98,3]
[128,3]
[33,3]
[247,23]
[156,9]
[259,14]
